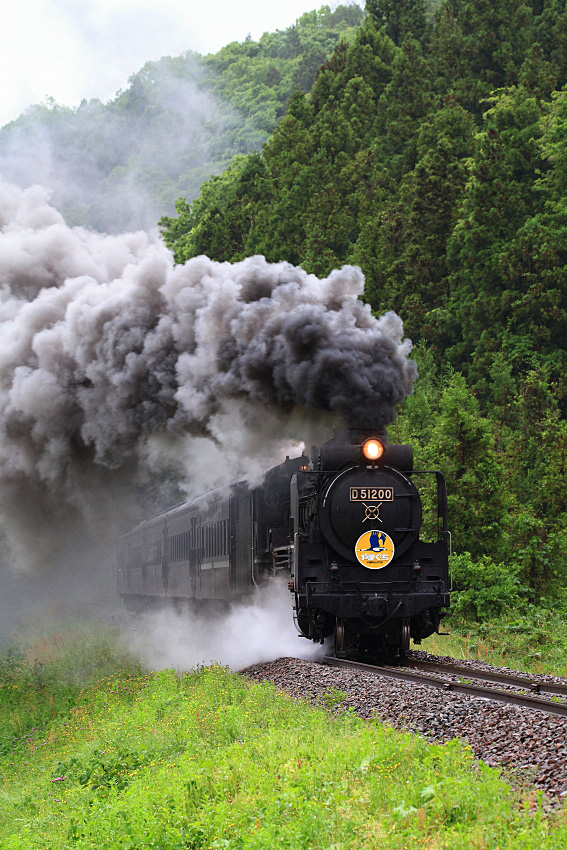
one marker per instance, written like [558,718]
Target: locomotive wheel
[340,642]
[405,638]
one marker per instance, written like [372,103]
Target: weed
[333,697]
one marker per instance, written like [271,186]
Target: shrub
[483,587]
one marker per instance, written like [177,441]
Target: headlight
[372,449]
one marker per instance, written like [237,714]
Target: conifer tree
[399,17]
[479,46]
[486,287]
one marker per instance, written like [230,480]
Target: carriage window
[152,552]
[179,546]
[135,557]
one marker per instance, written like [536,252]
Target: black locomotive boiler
[343,527]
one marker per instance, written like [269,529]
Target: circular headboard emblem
[374,549]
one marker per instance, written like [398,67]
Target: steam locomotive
[344,527]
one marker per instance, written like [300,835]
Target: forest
[431,151]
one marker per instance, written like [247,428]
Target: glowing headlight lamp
[372,449]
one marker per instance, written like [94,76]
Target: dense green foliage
[122,164]
[258,78]
[432,152]
[209,760]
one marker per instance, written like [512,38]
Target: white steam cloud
[252,631]
[113,363]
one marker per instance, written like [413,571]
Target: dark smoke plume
[113,361]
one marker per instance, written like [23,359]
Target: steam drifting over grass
[252,631]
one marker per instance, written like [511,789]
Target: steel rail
[522,700]
[486,676]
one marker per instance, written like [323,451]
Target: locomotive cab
[369,565]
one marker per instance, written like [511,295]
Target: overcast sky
[74,49]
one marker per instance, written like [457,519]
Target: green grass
[210,760]
[42,680]
[530,639]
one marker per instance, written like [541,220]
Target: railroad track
[429,676]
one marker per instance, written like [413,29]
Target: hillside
[431,151]
[121,165]
[213,760]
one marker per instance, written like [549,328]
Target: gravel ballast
[530,745]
